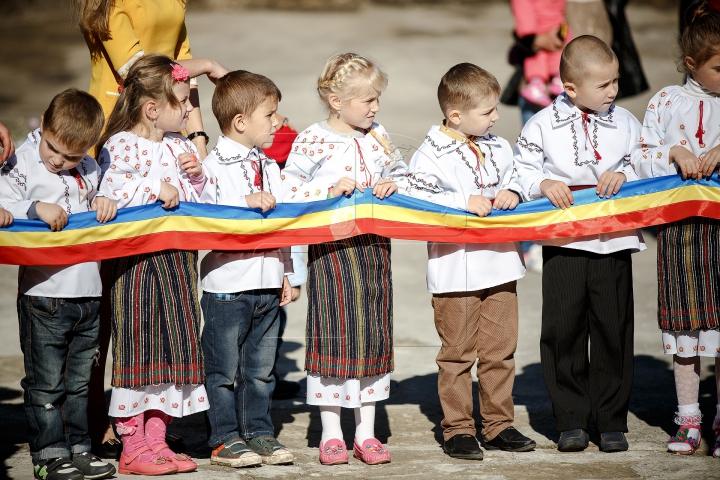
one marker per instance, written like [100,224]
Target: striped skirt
[155,319]
[349,323]
[688,275]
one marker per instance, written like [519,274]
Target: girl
[157,361]
[349,353]
[674,140]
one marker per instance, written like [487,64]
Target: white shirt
[134,168]
[557,144]
[234,169]
[672,118]
[321,156]
[446,171]
[23,180]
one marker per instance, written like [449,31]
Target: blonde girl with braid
[349,353]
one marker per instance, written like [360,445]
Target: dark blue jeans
[59,338]
[239,341]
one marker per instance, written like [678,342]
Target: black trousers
[587,297]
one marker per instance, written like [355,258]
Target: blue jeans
[239,341]
[59,338]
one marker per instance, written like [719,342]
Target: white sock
[330,419]
[687,415]
[365,422]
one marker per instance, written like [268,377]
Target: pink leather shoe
[371,452]
[183,462]
[157,466]
[536,92]
[555,87]
[334,452]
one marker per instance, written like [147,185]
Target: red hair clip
[180,73]
[120,88]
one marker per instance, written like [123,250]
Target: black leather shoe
[109,450]
[573,440]
[463,446]
[510,440]
[613,442]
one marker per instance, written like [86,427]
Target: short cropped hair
[75,118]
[464,86]
[240,93]
[580,53]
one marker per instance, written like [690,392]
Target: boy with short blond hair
[49,178]
[582,141]
[243,291]
[462,165]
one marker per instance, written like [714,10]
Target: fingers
[6,218]
[384,189]
[171,202]
[561,197]
[709,163]
[59,222]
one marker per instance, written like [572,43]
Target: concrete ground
[416,45]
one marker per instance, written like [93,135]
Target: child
[243,291]
[50,177]
[674,140]
[541,23]
[349,353]
[157,361]
[582,140]
[461,165]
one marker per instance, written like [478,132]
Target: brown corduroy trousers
[477,326]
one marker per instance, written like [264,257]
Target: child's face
[597,91]
[56,156]
[261,126]
[481,119]
[174,119]
[360,112]
[708,74]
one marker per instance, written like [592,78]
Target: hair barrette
[180,73]
[120,88]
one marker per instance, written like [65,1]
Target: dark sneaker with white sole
[57,469]
[92,467]
[271,451]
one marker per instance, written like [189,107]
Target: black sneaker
[464,446]
[57,469]
[91,466]
[510,440]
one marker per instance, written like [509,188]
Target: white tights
[364,422]
[687,385]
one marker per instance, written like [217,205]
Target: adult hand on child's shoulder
[709,162]
[479,205]
[686,160]
[286,292]
[54,215]
[106,209]
[190,164]
[169,195]
[557,192]
[345,186]
[384,188]
[6,217]
[609,183]
[6,143]
[506,200]
[262,200]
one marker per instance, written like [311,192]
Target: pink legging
[543,65]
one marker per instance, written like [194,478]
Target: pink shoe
[686,440]
[334,452]
[157,466]
[371,452]
[182,461]
[556,87]
[536,92]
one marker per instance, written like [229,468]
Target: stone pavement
[416,45]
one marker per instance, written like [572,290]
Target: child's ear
[454,117]
[690,63]
[238,123]
[570,89]
[150,110]
[42,123]
[335,102]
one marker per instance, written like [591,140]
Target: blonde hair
[75,118]
[349,75]
[240,92]
[149,78]
[464,86]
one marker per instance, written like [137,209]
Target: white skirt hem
[347,392]
[176,401]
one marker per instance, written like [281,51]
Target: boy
[580,141]
[461,165]
[242,291]
[50,177]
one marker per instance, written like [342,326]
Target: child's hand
[106,209]
[54,215]
[190,164]
[262,200]
[709,162]
[609,183]
[506,200]
[169,196]
[688,163]
[346,186]
[286,292]
[6,217]
[6,143]
[479,205]
[557,192]
[295,293]
[384,188]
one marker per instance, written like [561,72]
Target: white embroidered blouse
[560,142]
[446,171]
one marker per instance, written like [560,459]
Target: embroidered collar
[442,141]
[229,151]
[563,112]
[354,134]
[34,137]
[694,89]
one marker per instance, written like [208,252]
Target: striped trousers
[587,297]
